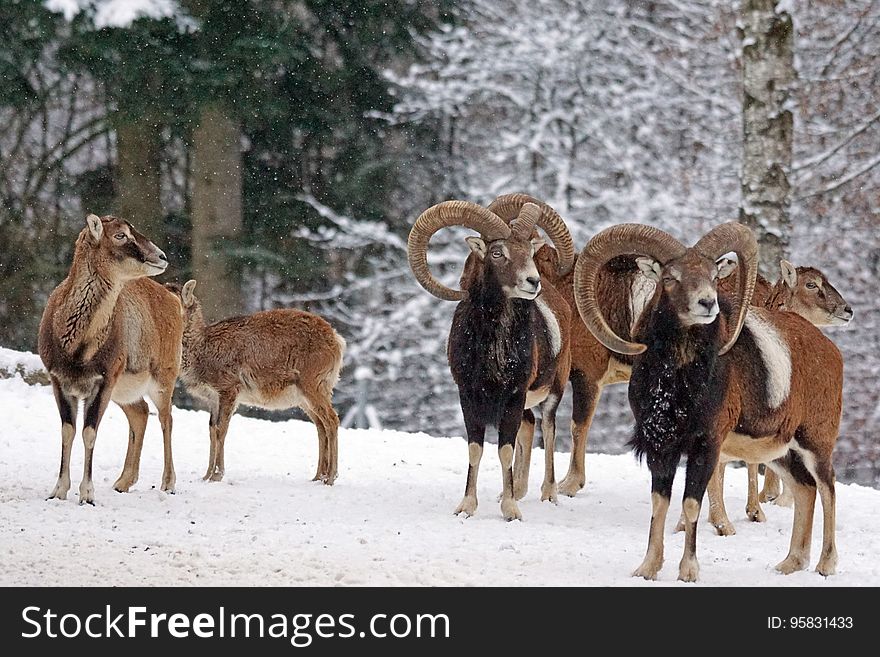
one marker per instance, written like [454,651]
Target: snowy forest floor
[388,520]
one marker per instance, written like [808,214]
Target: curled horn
[524,224]
[612,242]
[739,239]
[442,215]
[508,208]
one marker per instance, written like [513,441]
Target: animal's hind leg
[321,412]
[323,462]
[718,517]
[772,486]
[212,450]
[753,507]
[825,483]
[162,400]
[67,407]
[525,436]
[137,414]
[548,430]
[225,410]
[802,485]
[584,399]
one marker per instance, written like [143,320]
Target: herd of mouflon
[722,364]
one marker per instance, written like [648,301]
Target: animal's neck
[88,309]
[683,345]
[779,296]
[193,339]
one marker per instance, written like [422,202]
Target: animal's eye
[497,254]
[668,279]
[120,236]
[811,285]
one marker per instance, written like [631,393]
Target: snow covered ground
[388,521]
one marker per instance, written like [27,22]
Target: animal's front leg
[701,465]
[511,417]
[521,462]
[476,431]
[94,411]
[67,407]
[662,476]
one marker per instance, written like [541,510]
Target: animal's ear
[789,273]
[477,245]
[537,243]
[726,266]
[650,267]
[96,227]
[186,294]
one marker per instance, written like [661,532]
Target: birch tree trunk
[138,196]
[768,76]
[216,211]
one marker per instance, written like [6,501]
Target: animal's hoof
[791,564]
[58,494]
[647,570]
[688,571]
[87,495]
[122,485]
[723,528]
[570,486]
[756,515]
[827,566]
[548,494]
[510,510]
[468,507]
[217,476]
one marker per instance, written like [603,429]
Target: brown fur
[108,332]
[545,382]
[815,299]
[795,432]
[593,366]
[812,297]
[272,359]
[808,420]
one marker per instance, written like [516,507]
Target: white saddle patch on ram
[775,354]
[641,292]
[552,325]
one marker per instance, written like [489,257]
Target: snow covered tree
[767,78]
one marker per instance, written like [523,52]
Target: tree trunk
[138,191]
[216,211]
[768,76]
